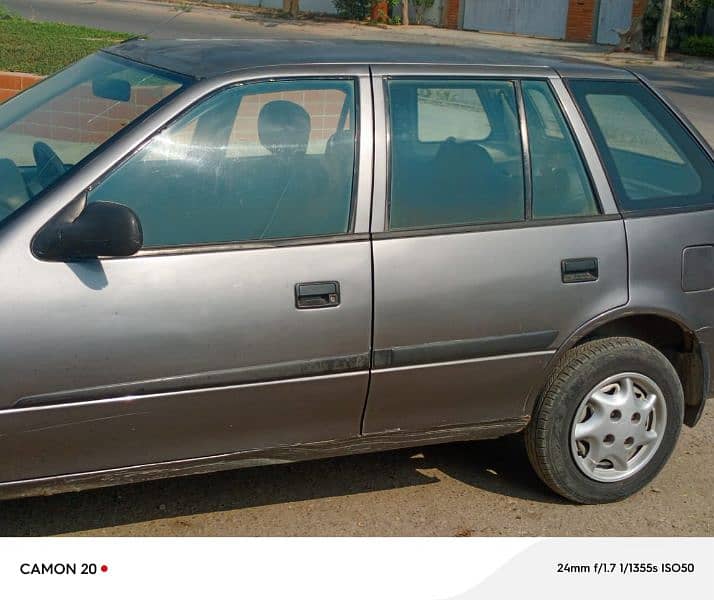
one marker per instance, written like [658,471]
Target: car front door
[492,244]
[245,320]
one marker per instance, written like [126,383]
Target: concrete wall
[321,6]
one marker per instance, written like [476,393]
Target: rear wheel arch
[666,332]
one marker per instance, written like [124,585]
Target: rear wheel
[607,420]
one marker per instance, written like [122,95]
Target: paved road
[481,488]
[692,91]
[148,17]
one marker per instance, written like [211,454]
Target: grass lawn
[43,48]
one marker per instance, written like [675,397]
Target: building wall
[77,117]
[638,7]
[319,6]
[12,83]
[453,11]
[67,117]
[581,20]
[582,17]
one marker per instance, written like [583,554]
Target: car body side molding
[245,375]
[435,352]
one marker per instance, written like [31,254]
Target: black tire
[547,437]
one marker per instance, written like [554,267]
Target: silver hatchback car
[218,254]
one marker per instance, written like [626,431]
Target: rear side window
[456,156]
[652,160]
[561,187]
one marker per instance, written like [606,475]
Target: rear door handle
[577,270]
[317,294]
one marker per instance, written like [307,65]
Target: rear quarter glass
[652,159]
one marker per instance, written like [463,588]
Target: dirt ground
[478,488]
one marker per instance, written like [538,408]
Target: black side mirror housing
[101,229]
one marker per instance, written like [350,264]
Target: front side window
[652,160]
[561,187]
[253,162]
[456,156]
[48,129]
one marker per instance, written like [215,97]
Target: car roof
[205,58]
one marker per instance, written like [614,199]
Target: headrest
[341,138]
[470,152]
[284,127]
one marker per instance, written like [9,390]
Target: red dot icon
[104,568]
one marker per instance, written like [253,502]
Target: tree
[686,19]
[405,12]
[664,29]
[291,6]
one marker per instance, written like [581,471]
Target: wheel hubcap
[618,427]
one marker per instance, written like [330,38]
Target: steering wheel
[49,165]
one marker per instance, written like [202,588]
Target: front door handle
[317,294]
[577,270]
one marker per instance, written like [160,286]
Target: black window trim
[680,118]
[528,221]
[210,247]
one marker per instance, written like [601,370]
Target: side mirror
[111,88]
[101,229]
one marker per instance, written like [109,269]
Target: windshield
[48,129]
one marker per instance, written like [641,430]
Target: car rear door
[495,237]
[244,322]
[662,171]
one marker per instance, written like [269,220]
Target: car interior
[454,181]
[213,195]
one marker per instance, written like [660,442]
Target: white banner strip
[356,568]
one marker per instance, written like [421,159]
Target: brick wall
[77,115]
[12,83]
[581,20]
[323,106]
[452,13]
[638,7]
[582,16]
